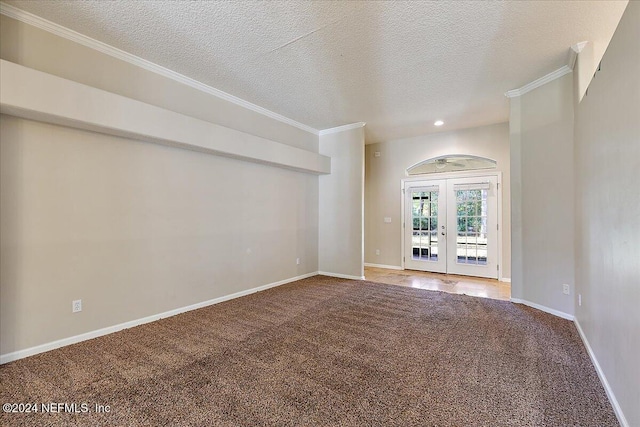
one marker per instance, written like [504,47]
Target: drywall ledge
[31,94]
[64,32]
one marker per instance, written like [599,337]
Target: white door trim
[490,269]
[437,176]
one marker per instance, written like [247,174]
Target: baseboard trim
[21,354]
[506,279]
[340,276]
[603,379]
[388,267]
[543,308]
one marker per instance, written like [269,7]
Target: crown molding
[539,82]
[577,48]
[573,53]
[59,30]
[341,128]
[566,69]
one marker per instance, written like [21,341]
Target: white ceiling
[398,66]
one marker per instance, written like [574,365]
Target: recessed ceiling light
[438,123]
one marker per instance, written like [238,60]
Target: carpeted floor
[324,352]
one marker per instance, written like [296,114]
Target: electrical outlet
[565,288]
[76,306]
[580,299]
[377,251]
[297,261]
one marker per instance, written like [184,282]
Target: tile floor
[472,286]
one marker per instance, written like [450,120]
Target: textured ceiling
[396,65]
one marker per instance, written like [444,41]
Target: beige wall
[135,229]
[542,195]
[383,177]
[607,162]
[341,223]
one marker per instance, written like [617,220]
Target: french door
[451,226]
[425,226]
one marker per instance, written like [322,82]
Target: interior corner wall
[542,195]
[341,222]
[607,161]
[515,150]
[383,176]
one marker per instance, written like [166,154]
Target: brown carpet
[324,352]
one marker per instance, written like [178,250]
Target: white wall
[542,195]
[341,223]
[607,162]
[383,176]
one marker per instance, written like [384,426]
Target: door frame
[439,266]
[439,176]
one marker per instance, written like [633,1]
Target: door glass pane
[424,240]
[471,239]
